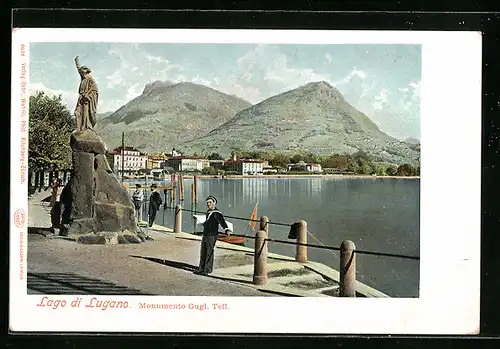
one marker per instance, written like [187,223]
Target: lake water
[377,214]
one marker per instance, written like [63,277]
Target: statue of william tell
[86,107]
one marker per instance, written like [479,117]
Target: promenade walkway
[162,266]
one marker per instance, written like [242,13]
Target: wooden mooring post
[192,193]
[195,180]
[181,187]
[347,269]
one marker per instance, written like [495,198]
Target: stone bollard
[264,224]
[301,255]
[347,269]
[260,258]
[178,219]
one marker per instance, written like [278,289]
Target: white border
[450,205]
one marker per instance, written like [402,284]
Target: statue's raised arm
[77,63]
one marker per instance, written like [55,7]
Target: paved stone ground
[163,266]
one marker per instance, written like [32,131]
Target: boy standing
[210,234]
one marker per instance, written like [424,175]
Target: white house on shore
[186,163]
[245,167]
[131,158]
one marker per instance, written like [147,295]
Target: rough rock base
[96,208]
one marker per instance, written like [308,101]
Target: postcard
[245,181]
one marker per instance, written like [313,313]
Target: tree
[266,155]
[50,126]
[361,155]
[406,170]
[380,171]
[209,170]
[391,170]
[340,161]
[279,160]
[353,166]
[365,168]
[329,162]
[215,156]
[296,158]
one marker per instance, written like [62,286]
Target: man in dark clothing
[155,202]
[214,218]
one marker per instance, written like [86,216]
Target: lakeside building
[175,153]
[266,168]
[187,163]
[217,164]
[130,158]
[245,166]
[301,166]
[155,161]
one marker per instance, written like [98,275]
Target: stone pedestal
[96,207]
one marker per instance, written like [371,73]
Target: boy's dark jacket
[211,225]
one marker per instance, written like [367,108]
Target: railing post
[347,269]
[264,224]
[260,258]
[178,219]
[301,255]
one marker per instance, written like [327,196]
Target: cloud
[69,98]
[355,73]
[381,100]
[411,97]
[263,72]
[151,67]
[134,91]
[199,80]
[415,88]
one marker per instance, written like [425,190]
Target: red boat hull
[231,239]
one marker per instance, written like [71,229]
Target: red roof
[186,157]
[239,161]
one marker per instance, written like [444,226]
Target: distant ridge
[314,117]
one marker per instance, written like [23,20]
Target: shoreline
[284,176]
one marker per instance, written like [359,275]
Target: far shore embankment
[282,176]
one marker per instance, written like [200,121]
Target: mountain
[167,114]
[314,118]
[100,116]
[412,141]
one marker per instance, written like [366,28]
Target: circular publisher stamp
[19,218]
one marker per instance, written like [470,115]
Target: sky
[382,81]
